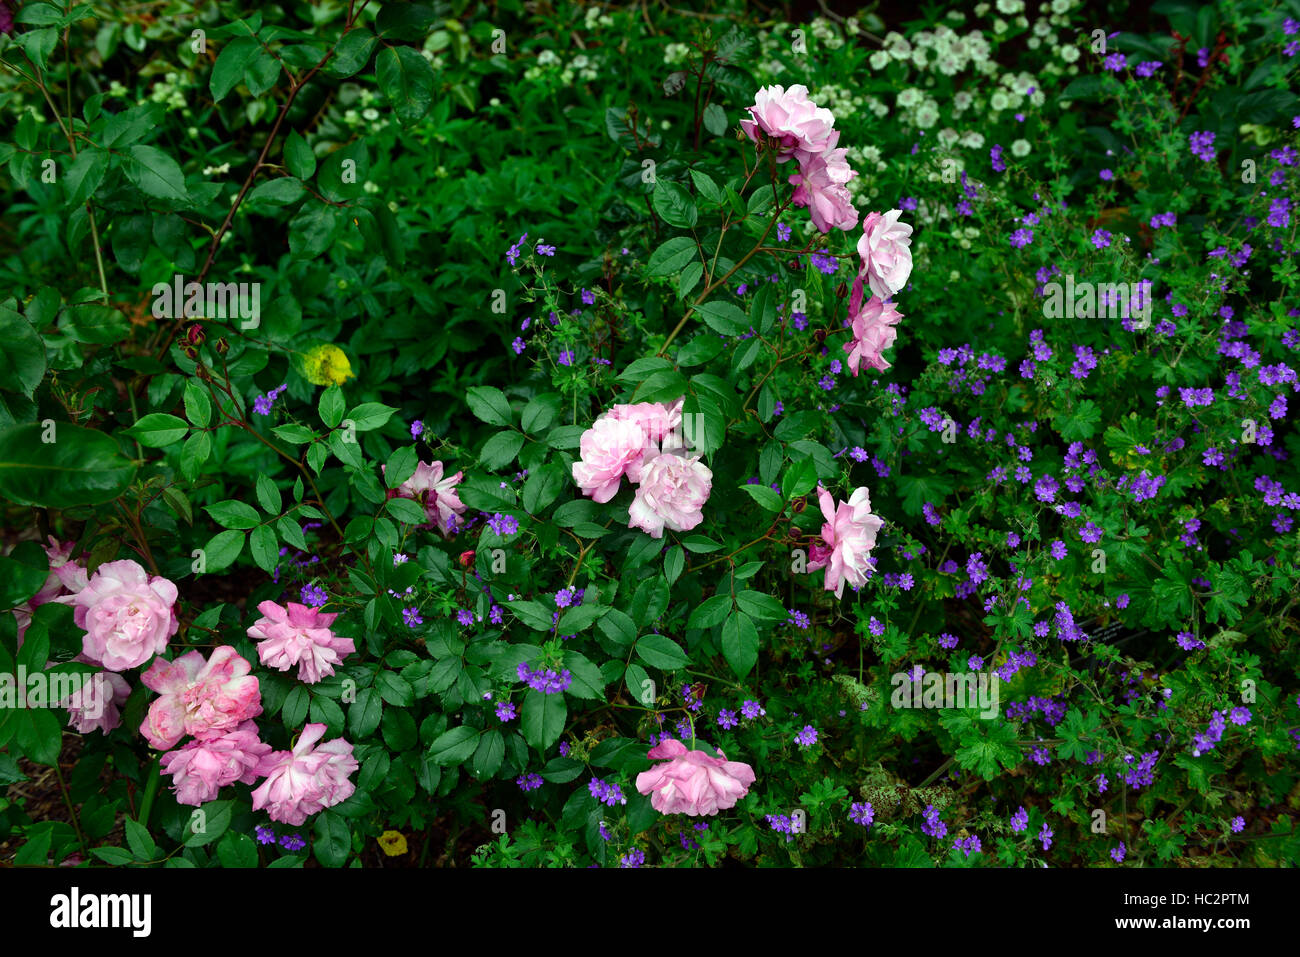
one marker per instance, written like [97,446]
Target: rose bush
[611,458]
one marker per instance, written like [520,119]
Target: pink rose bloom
[610,448]
[819,184]
[205,699]
[692,782]
[305,780]
[300,636]
[657,421]
[800,127]
[438,495]
[873,330]
[886,254]
[127,614]
[97,704]
[849,535]
[202,768]
[672,493]
[64,580]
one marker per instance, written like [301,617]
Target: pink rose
[64,580]
[97,703]
[609,449]
[300,636]
[849,535]
[305,780]
[672,493]
[886,256]
[692,782]
[800,127]
[127,614]
[438,495]
[873,330]
[202,768]
[205,699]
[657,421]
[819,184]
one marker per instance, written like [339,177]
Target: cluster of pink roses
[798,129]
[642,442]
[801,130]
[215,701]
[436,492]
[129,616]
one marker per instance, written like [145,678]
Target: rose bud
[222,346]
[841,290]
[466,559]
[194,335]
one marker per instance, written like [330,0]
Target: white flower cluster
[581,67]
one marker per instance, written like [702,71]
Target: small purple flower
[505,710]
[807,737]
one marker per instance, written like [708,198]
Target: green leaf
[489,754]
[138,839]
[587,679]
[500,450]
[581,618]
[157,430]
[407,79]
[85,175]
[298,156]
[542,718]
[533,614]
[370,415]
[22,360]
[222,550]
[268,495]
[986,752]
[543,487]
[229,68]
[96,324]
[277,192]
[365,713]
[761,606]
[198,406]
[264,547]
[708,188]
[766,498]
[672,256]
[261,72]
[18,582]
[663,386]
[394,689]
[333,839]
[662,652]
[490,405]
[724,317]
[233,513]
[214,822]
[236,851]
[674,205]
[740,643]
[711,612]
[156,173]
[61,466]
[331,406]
